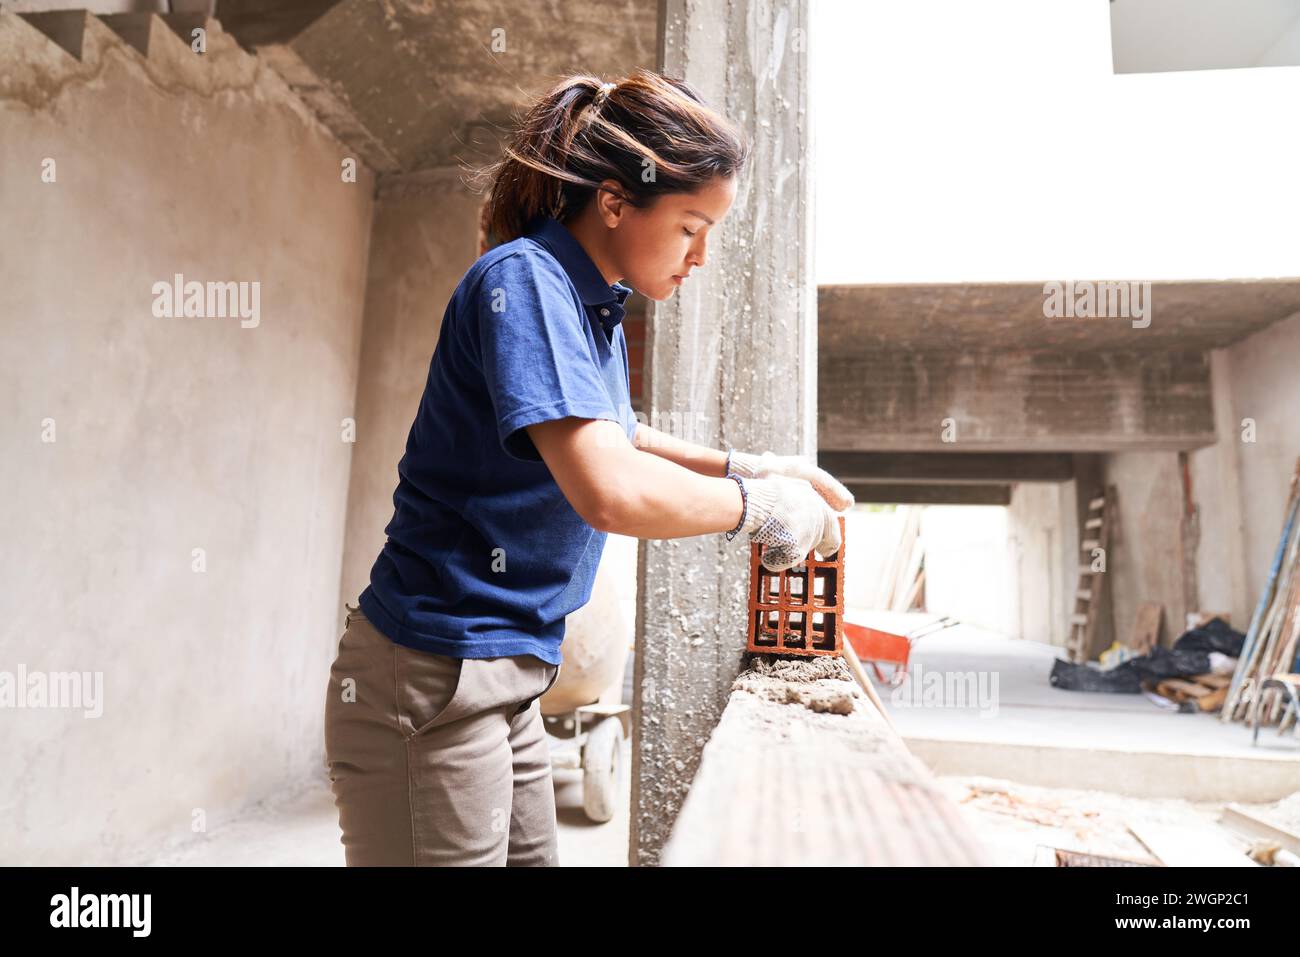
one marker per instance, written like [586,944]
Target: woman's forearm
[657,498]
[697,458]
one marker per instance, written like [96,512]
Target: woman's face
[655,249]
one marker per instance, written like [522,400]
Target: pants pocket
[555,677]
[555,674]
[427,685]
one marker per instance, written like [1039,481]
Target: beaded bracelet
[744,511]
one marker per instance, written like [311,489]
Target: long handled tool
[855,666]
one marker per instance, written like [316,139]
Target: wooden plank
[1186,687]
[1251,825]
[1146,627]
[1214,700]
[1180,846]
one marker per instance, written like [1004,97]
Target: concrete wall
[1266,390]
[170,435]
[1221,581]
[1241,482]
[425,236]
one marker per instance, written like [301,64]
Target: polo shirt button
[604,312]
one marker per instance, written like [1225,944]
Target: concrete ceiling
[417,84]
[973,317]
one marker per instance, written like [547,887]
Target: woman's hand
[789,519]
[747,465]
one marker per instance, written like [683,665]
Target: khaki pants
[435,760]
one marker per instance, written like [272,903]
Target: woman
[523,455]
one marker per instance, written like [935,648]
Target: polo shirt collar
[607,300]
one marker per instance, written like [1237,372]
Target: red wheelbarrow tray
[877,646]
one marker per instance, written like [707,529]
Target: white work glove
[789,518]
[748,465]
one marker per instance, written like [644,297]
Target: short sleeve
[535,356]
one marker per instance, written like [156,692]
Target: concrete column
[733,356]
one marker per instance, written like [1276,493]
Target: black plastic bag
[1215,635]
[1122,679]
[1161,663]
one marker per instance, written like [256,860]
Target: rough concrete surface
[170,435]
[819,684]
[745,321]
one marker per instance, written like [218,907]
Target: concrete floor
[301,829]
[1030,732]
[1079,762]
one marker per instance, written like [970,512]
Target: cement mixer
[585,718]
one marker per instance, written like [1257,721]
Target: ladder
[1092,574]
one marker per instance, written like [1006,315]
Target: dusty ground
[301,829]
[1013,820]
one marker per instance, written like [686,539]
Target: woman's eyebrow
[692,212]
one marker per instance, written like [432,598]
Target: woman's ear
[611,202]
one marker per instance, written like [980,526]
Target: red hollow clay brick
[798,611]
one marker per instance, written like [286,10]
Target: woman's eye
[687,231]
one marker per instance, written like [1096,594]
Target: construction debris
[1022,824]
[1189,676]
[820,684]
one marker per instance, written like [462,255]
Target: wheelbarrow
[877,647]
[590,739]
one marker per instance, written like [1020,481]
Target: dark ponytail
[650,133]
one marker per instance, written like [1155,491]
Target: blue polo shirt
[485,556]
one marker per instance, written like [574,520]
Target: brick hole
[763,634]
[796,627]
[823,629]
[825,583]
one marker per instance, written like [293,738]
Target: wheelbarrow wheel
[602,768]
